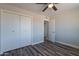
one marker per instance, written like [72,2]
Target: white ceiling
[37,8]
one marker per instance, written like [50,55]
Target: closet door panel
[10,38]
[25,31]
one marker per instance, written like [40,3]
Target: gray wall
[38,29]
[67,27]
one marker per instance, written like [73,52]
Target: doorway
[46,28]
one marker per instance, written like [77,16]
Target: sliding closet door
[10,38]
[25,30]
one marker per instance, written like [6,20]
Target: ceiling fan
[49,5]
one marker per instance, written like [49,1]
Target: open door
[52,30]
[46,30]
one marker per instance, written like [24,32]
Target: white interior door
[10,38]
[25,30]
[52,30]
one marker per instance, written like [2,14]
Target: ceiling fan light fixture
[50,5]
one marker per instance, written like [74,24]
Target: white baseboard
[37,42]
[74,46]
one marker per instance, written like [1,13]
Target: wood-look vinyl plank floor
[46,48]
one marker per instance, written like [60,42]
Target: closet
[15,30]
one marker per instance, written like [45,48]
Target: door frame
[47,22]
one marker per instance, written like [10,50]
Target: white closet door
[25,30]
[10,38]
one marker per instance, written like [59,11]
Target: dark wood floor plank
[61,50]
[58,49]
[57,53]
[29,52]
[70,52]
[70,49]
[34,52]
[52,51]
[67,47]
[49,47]
[23,52]
[46,48]
[41,52]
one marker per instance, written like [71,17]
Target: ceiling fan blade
[55,3]
[41,3]
[54,8]
[45,8]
